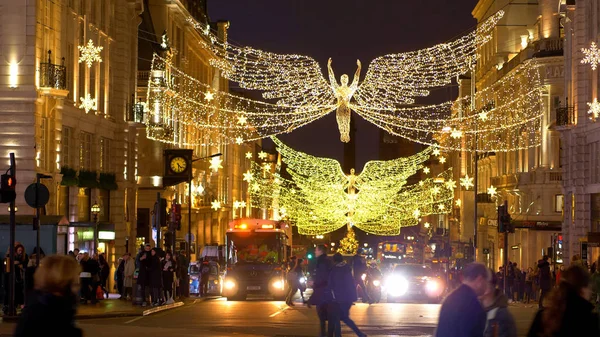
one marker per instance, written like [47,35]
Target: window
[85,151]
[104,202]
[41,148]
[559,203]
[67,133]
[104,154]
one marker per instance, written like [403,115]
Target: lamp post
[191,177]
[95,211]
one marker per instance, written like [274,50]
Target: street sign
[43,195]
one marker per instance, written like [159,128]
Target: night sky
[345,30]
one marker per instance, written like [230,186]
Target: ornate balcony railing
[565,115]
[53,76]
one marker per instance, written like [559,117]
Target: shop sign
[557,225]
[493,222]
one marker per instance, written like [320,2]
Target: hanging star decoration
[592,56]
[90,53]
[416,213]
[441,207]
[450,184]
[427,225]
[215,164]
[320,198]
[442,160]
[436,152]
[239,140]
[236,204]
[295,93]
[262,155]
[458,203]
[242,204]
[209,96]
[248,155]
[88,103]
[466,182]
[456,134]
[215,205]
[492,191]
[248,176]
[426,170]
[594,110]
[483,116]
[242,120]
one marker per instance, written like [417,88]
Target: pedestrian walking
[568,311]
[500,322]
[529,276]
[319,285]
[104,273]
[293,282]
[52,305]
[462,315]
[155,277]
[342,291]
[145,265]
[204,277]
[128,274]
[545,277]
[168,275]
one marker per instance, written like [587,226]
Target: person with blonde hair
[53,302]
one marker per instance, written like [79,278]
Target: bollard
[138,295]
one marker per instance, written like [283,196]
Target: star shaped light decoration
[450,184]
[466,182]
[436,152]
[90,53]
[215,205]
[442,160]
[248,155]
[441,207]
[262,155]
[88,103]
[416,213]
[427,225]
[255,187]
[456,134]
[435,190]
[483,116]
[492,191]
[426,170]
[209,96]
[458,202]
[266,167]
[421,183]
[215,163]
[242,204]
[239,140]
[236,204]
[592,56]
[242,120]
[594,110]
[248,176]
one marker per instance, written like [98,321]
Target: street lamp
[95,211]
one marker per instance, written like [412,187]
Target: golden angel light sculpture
[296,93]
[320,197]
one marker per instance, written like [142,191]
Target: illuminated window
[85,151]
[559,203]
[105,155]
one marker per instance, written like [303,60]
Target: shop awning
[45,220]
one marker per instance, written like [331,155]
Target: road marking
[279,312]
[133,320]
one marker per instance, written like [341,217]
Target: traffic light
[168,239]
[504,219]
[501,228]
[7,188]
[161,211]
[309,256]
[176,216]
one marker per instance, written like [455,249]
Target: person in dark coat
[569,311]
[104,273]
[462,314]
[500,322]
[51,307]
[359,267]
[168,273]
[545,279]
[319,285]
[155,277]
[341,291]
[145,264]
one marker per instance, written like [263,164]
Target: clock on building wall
[178,166]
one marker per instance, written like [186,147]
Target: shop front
[534,239]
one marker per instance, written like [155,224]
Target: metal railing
[565,115]
[135,113]
[53,75]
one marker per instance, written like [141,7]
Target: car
[215,279]
[413,282]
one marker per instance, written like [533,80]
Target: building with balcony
[580,132]
[529,179]
[166,22]
[68,76]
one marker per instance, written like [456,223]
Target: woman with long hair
[53,302]
[569,311]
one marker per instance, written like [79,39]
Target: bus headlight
[229,284]
[278,284]
[397,286]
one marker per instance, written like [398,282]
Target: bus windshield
[257,247]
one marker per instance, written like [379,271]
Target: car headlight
[302,280]
[229,284]
[278,284]
[376,283]
[433,288]
[364,277]
[397,285]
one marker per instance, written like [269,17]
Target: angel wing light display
[184,110]
[321,198]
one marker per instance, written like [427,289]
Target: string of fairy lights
[319,197]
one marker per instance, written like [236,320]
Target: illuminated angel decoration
[343,93]
[321,198]
[296,93]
